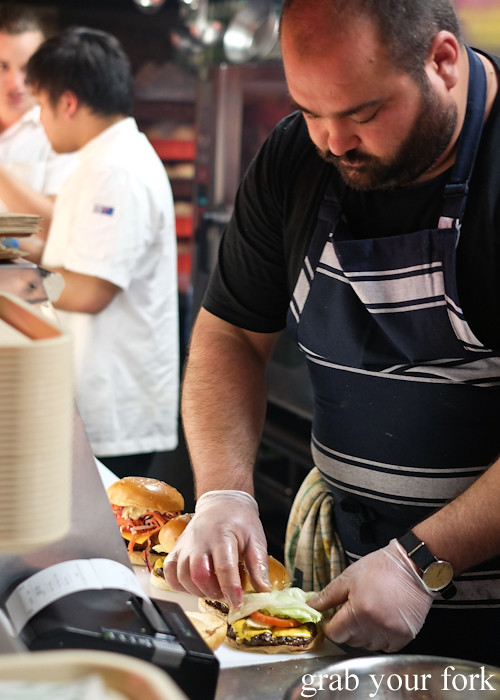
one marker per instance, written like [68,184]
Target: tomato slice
[274,621]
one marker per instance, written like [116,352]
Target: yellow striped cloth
[313,552]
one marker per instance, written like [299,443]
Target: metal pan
[252,34]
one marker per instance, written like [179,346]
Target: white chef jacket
[114,219]
[26,152]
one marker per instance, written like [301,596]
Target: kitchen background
[209,87]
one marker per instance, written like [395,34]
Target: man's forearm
[224,403]
[467,530]
[84,293]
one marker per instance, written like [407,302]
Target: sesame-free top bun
[172,530]
[145,493]
[278,576]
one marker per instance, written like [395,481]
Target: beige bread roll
[172,530]
[145,494]
[278,576]
[210,627]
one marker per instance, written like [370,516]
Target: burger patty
[218,605]
[268,639]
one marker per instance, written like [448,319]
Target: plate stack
[16,226]
[36,419]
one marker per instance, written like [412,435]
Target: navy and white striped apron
[406,398]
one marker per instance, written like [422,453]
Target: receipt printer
[113,620]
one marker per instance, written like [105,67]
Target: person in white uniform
[31,173]
[113,241]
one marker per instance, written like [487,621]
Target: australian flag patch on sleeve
[102,209]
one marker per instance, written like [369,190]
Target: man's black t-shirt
[275,214]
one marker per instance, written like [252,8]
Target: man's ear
[68,103]
[443,58]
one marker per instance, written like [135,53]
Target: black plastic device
[154,630]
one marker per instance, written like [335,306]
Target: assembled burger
[274,622]
[142,506]
[167,537]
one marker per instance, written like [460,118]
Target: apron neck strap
[457,188]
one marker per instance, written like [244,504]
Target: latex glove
[385,602]
[225,530]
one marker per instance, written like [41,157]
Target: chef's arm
[23,199]
[224,402]
[84,293]
[467,530]
[223,410]
[383,599]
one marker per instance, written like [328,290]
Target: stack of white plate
[36,419]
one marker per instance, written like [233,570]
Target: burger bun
[172,530]
[278,576]
[145,494]
[210,627]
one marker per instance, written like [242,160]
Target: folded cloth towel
[313,551]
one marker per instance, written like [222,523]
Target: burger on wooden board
[142,506]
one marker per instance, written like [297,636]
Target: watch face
[438,575]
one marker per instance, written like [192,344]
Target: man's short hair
[406,27]
[17,19]
[89,62]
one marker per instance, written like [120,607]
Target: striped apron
[406,398]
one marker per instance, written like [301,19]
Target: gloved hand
[385,602]
[224,531]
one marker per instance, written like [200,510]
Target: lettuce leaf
[290,602]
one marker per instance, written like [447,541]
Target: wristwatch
[436,573]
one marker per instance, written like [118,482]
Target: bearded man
[368,225]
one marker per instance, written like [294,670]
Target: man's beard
[431,133]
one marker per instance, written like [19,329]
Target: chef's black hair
[89,62]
